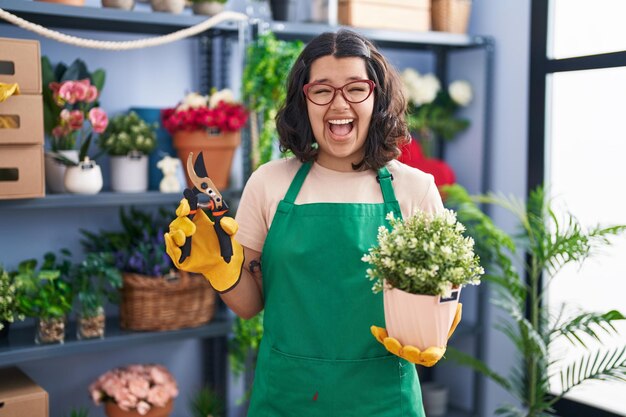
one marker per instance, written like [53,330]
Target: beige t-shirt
[415,190]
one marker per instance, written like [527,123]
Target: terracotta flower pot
[418,320]
[219,150]
[112,410]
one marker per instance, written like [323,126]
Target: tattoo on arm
[254,266]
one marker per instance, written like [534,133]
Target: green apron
[318,357]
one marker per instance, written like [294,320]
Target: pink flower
[158,396]
[98,119]
[74,91]
[76,119]
[143,408]
[138,386]
[92,94]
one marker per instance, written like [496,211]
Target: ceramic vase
[119,4]
[129,174]
[86,178]
[55,171]
[207,8]
[419,320]
[112,410]
[168,6]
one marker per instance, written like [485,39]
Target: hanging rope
[123,45]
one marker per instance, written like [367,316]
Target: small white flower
[460,92]
[224,95]
[193,100]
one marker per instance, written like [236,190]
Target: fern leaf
[611,365]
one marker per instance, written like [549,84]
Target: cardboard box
[409,15]
[20,396]
[21,120]
[21,174]
[20,62]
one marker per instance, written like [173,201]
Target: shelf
[22,348]
[104,19]
[106,198]
[382,37]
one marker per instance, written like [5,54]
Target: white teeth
[341,121]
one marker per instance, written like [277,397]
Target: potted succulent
[94,282]
[128,140]
[135,390]
[210,123]
[421,265]
[45,296]
[207,7]
[538,379]
[82,176]
[8,303]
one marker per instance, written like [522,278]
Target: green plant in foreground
[206,403]
[549,244]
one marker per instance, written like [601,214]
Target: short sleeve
[431,202]
[250,216]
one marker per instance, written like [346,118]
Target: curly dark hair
[387,130]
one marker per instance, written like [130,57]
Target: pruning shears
[216,205]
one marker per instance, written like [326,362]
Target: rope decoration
[123,45]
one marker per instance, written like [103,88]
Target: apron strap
[384,178]
[297,182]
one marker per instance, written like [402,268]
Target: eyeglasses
[353,92]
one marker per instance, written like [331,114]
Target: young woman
[303,225]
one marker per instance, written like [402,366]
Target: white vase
[129,174]
[55,171]
[435,399]
[119,4]
[418,320]
[169,6]
[86,178]
[207,8]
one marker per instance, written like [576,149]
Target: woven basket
[451,15]
[160,303]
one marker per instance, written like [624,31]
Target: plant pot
[67,2]
[50,330]
[219,149]
[129,174]
[207,8]
[91,326]
[451,15]
[119,4]
[283,9]
[418,320]
[55,171]
[435,399]
[112,410]
[86,178]
[168,6]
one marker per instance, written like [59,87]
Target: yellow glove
[7,90]
[205,255]
[428,357]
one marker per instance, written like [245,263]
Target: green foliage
[8,299]
[79,412]
[44,293]
[437,116]
[245,343]
[440,260]
[550,243]
[268,63]
[126,133]
[95,281]
[59,73]
[206,403]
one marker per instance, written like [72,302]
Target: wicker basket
[451,15]
[151,303]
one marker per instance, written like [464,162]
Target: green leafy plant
[423,254]
[206,403]
[268,63]
[79,412]
[547,243]
[8,299]
[95,281]
[245,343]
[128,133]
[44,294]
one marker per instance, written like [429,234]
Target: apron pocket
[309,387]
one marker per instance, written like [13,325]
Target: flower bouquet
[211,123]
[146,390]
[421,265]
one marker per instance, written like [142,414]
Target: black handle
[192,197]
[226,245]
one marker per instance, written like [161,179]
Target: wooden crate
[21,120]
[20,396]
[409,15]
[20,62]
[21,172]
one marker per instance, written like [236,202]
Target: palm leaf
[609,365]
[587,323]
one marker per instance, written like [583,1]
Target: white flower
[193,100]
[460,92]
[224,95]
[420,89]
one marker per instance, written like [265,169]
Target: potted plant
[95,281]
[548,242]
[210,123]
[268,62]
[206,403]
[432,110]
[207,7]
[82,176]
[45,296]
[8,303]
[421,265]
[146,390]
[128,140]
[70,94]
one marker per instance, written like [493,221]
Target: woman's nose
[339,101]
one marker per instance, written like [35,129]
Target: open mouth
[341,127]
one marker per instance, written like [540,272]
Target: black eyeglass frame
[306,88]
